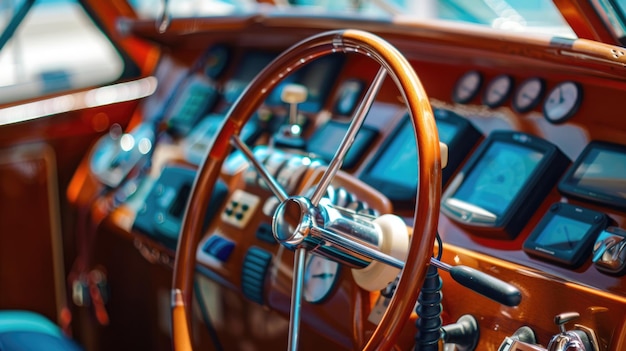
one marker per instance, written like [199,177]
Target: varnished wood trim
[180,328]
[18,157]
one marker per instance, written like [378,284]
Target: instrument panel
[496,179]
[514,192]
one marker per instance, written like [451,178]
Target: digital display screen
[447,131]
[399,163]
[499,175]
[394,169]
[503,183]
[562,233]
[252,64]
[599,174]
[326,140]
[565,234]
[317,76]
[603,171]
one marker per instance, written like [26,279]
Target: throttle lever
[581,338]
[482,283]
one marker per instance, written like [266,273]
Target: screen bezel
[570,185]
[532,192]
[595,220]
[463,142]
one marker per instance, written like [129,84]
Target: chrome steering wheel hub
[293,220]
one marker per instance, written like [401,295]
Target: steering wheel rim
[429,172]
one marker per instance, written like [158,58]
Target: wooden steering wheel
[426,214]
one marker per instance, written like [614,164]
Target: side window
[56,47]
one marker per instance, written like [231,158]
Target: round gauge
[498,90]
[320,275]
[467,87]
[562,102]
[528,94]
[215,61]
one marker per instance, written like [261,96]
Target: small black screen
[602,171]
[562,233]
[599,174]
[252,64]
[565,234]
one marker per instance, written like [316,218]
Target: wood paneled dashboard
[220,57]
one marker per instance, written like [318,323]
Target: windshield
[511,15]
[51,46]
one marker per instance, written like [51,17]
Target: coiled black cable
[429,309]
[429,313]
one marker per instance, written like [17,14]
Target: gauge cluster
[558,104]
[497,182]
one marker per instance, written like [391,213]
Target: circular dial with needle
[320,275]
[498,90]
[467,87]
[528,94]
[562,102]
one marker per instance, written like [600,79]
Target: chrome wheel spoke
[296,298]
[300,252]
[274,185]
[348,139]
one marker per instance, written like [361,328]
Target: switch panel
[240,208]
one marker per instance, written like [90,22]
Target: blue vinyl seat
[29,331]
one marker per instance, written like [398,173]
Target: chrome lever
[609,251]
[579,339]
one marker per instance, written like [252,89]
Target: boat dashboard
[533,190]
